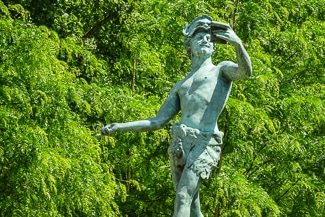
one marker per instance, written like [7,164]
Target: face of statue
[201,44]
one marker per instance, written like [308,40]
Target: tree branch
[286,60]
[254,158]
[100,24]
[287,191]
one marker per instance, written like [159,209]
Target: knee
[183,198]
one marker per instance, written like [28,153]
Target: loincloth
[194,149]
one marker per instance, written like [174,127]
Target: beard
[203,51]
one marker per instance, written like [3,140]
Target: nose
[206,39]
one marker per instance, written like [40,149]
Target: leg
[186,191]
[195,206]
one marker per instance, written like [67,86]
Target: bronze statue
[195,144]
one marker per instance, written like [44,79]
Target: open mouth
[205,45]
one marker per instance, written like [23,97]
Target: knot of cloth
[192,148]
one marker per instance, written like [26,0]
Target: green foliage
[69,67]
[50,163]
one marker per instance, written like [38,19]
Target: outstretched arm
[167,111]
[243,68]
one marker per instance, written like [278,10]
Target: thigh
[189,182]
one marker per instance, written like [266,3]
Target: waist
[182,130]
[196,121]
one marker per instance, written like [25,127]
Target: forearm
[168,110]
[141,125]
[243,61]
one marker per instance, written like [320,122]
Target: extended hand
[109,129]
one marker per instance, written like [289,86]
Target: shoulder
[228,69]
[226,63]
[228,66]
[177,85]
[175,88]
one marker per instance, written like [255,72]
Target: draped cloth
[193,149]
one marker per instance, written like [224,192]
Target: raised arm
[243,68]
[167,111]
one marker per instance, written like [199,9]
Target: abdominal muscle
[196,117]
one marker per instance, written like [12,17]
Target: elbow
[243,74]
[249,72]
[157,123]
[249,69]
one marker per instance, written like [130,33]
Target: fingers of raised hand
[215,24]
[220,34]
[228,35]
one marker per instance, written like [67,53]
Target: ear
[187,44]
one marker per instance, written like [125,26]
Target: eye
[201,36]
[198,37]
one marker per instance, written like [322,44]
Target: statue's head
[199,24]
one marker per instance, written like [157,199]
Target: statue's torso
[203,94]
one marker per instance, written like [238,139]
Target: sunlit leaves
[68,67]
[50,164]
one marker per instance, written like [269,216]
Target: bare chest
[206,90]
[200,84]
[202,98]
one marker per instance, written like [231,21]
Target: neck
[200,61]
